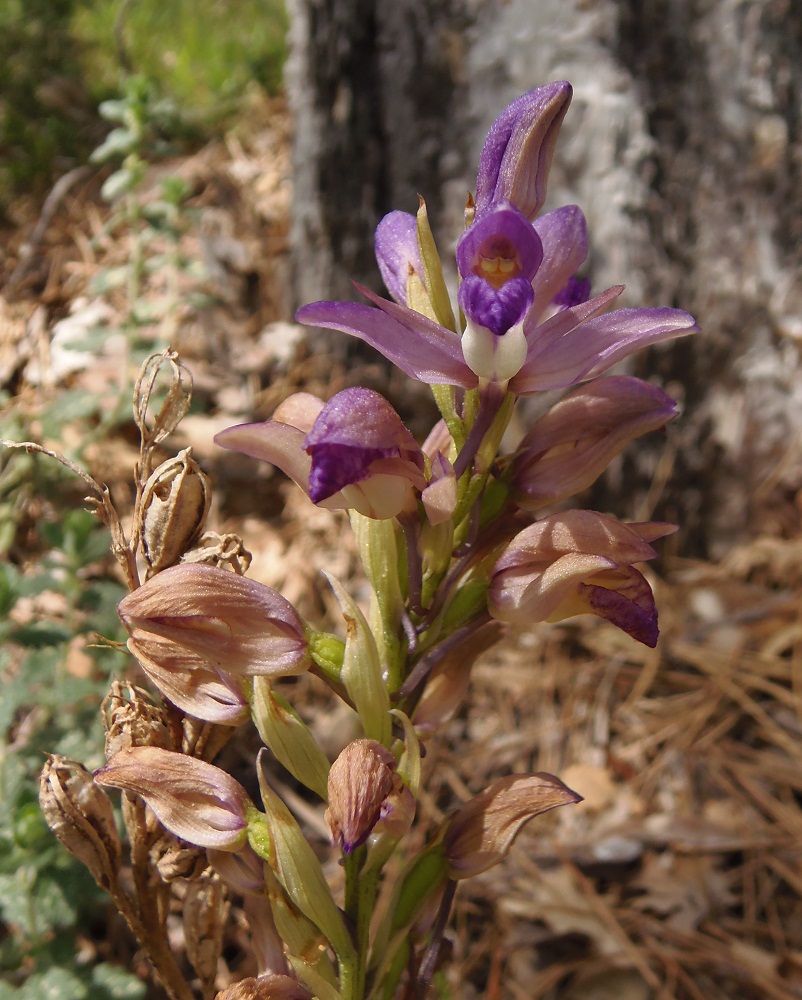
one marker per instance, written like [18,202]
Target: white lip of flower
[493,357]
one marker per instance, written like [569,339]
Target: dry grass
[679,876]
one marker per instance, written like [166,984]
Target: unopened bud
[80,815]
[194,800]
[360,782]
[480,833]
[266,988]
[174,506]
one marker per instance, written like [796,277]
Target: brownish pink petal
[480,833]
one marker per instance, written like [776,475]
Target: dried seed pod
[132,720]
[205,909]
[175,503]
[174,859]
[80,815]
[176,402]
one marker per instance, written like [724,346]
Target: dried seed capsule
[205,909]
[175,502]
[80,815]
[131,719]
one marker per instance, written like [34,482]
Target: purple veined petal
[196,801]
[625,331]
[517,153]
[555,356]
[564,237]
[421,348]
[501,245]
[274,442]
[397,252]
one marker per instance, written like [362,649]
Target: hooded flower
[231,623]
[530,324]
[352,452]
[364,787]
[578,562]
[194,800]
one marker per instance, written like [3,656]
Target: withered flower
[480,833]
[194,800]
[234,624]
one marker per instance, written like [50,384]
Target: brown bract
[481,832]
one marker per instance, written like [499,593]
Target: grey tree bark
[684,148]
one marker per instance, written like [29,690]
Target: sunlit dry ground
[679,875]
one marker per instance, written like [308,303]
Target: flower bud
[360,782]
[266,988]
[480,833]
[174,506]
[232,623]
[517,153]
[196,801]
[80,815]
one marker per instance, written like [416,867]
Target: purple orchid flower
[530,325]
[578,562]
[352,452]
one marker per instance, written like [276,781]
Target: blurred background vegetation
[60,58]
[110,85]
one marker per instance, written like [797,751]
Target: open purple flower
[530,324]
[352,452]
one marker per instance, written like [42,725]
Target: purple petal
[495,309]
[354,429]
[556,358]
[421,348]
[517,153]
[574,293]
[625,331]
[397,252]
[271,441]
[630,606]
[501,234]
[564,237]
